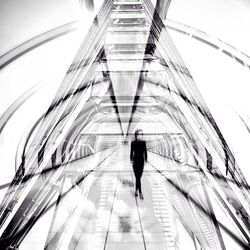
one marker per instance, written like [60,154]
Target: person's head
[138,134]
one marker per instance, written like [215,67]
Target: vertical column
[162,7]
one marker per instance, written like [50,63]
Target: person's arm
[131,151]
[145,152]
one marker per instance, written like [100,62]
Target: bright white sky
[228,20]
[225,19]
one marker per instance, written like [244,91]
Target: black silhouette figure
[138,156]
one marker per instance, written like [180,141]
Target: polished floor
[102,212]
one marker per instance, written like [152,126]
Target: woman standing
[138,155]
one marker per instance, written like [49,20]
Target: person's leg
[139,181]
[136,179]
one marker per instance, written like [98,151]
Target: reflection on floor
[103,213]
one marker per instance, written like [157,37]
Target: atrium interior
[73,93]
